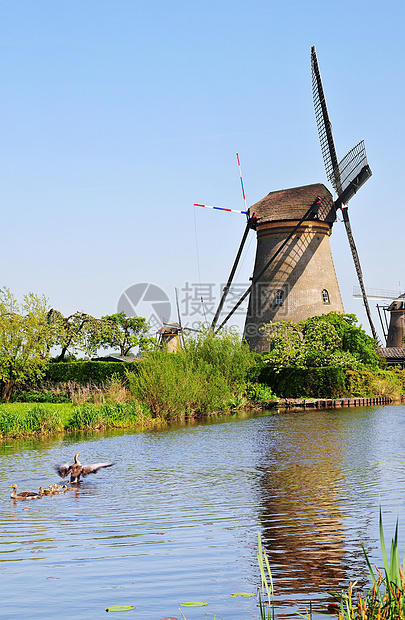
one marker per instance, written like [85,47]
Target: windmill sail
[324,125]
[347,176]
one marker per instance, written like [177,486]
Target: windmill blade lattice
[346,177]
[324,126]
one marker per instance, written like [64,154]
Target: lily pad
[242,594]
[194,604]
[120,608]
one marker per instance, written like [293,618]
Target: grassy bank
[22,419]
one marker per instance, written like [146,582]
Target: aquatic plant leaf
[193,604]
[242,594]
[120,608]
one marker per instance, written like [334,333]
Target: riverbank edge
[333,403]
[281,405]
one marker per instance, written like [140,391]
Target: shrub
[40,396]
[203,377]
[330,340]
[87,372]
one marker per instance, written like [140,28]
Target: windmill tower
[294,276]
[396,330]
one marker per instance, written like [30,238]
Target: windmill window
[279,298]
[325,296]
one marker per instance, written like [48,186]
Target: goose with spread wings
[76,470]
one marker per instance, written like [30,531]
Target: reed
[386,599]
[19,421]
[266,606]
[109,415]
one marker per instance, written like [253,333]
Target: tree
[332,339]
[123,332]
[25,337]
[77,332]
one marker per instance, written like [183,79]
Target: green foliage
[92,417]
[381,383]
[124,333]
[332,382]
[24,340]
[172,385]
[18,419]
[38,419]
[225,351]
[205,376]
[266,606]
[39,396]
[87,372]
[386,599]
[260,393]
[323,382]
[332,340]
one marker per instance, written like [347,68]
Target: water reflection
[304,503]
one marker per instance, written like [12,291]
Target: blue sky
[117,115]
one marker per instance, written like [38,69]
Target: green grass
[19,419]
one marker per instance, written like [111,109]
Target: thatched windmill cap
[292,204]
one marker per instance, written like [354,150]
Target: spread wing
[63,469]
[93,469]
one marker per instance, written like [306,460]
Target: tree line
[31,330]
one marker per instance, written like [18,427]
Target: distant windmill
[394,331]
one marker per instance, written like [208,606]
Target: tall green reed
[22,421]
[266,606]
[386,599]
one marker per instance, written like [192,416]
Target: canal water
[178,516]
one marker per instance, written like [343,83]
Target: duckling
[57,487]
[57,491]
[77,469]
[45,491]
[23,494]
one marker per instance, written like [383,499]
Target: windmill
[394,331]
[294,276]
[347,176]
[171,335]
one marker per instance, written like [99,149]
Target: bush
[330,340]
[40,396]
[260,393]
[172,386]
[324,382]
[332,382]
[205,376]
[87,372]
